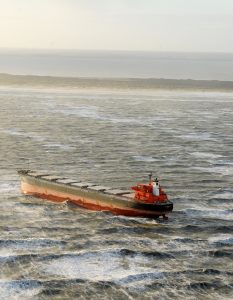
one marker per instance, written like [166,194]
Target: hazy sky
[154,25]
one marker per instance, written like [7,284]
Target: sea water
[115,138]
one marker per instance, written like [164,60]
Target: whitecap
[29,244]
[87,111]
[140,278]
[19,289]
[13,131]
[58,146]
[92,112]
[211,213]
[224,239]
[223,170]
[97,266]
[6,253]
[8,187]
[144,158]
[19,132]
[224,195]
[197,136]
[205,155]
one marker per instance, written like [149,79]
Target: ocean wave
[155,254]
[205,285]
[221,253]
[222,240]
[202,136]
[224,170]
[87,111]
[92,112]
[8,187]
[116,253]
[30,243]
[19,289]
[215,213]
[56,146]
[222,229]
[103,265]
[19,132]
[17,258]
[224,195]
[142,278]
[206,155]
[144,158]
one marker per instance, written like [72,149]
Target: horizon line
[109,50]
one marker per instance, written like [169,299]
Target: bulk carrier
[147,200]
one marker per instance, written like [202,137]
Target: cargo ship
[143,200]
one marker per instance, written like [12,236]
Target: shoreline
[10,80]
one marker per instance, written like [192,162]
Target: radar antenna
[150,177]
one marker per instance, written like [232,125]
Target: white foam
[92,112]
[223,170]
[205,155]
[224,195]
[19,132]
[97,266]
[168,243]
[211,213]
[6,253]
[197,136]
[226,239]
[28,244]
[58,146]
[87,111]
[16,289]
[8,187]
[144,158]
